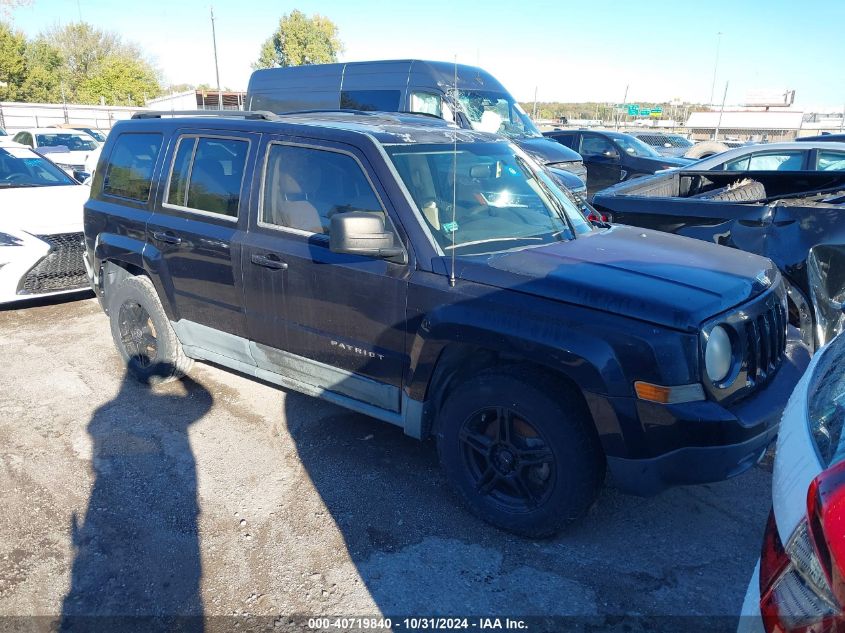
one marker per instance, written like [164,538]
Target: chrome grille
[62,268]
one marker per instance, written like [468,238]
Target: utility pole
[715,66]
[624,103]
[721,111]
[534,114]
[216,67]
[842,122]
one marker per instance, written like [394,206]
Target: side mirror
[362,233]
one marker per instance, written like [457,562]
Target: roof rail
[245,114]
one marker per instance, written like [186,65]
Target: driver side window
[593,145]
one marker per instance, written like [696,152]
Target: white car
[69,149]
[799,581]
[41,240]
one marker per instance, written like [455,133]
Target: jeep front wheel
[520,448]
[143,334]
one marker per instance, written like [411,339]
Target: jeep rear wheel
[520,448]
[143,334]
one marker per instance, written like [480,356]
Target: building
[198,100]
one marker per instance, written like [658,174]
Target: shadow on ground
[687,552]
[137,557]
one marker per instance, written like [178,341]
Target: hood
[68,158]
[657,277]
[545,150]
[43,210]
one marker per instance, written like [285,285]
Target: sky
[566,50]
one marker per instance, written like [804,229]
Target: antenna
[454,178]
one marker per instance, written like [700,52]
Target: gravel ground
[223,496]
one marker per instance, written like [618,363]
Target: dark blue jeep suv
[438,279]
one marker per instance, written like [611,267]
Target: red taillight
[595,216]
[801,583]
[826,513]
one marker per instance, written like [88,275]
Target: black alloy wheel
[137,334]
[508,459]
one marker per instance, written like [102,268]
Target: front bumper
[659,446]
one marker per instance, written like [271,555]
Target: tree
[98,64]
[12,62]
[120,80]
[43,73]
[299,41]
[6,6]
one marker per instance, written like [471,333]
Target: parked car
[613,157]
[799,581]
[41,243]
[69,148]
[778,157]
[96,134]
[665,144]
[415,86]
[450,289]
[795,218]
[3,132]
[822,138]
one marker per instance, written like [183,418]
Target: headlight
[718,354]
[826,402]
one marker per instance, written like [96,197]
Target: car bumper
[750,619]
[699,442]
[41,266]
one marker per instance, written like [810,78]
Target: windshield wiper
[492,239]
[14,185]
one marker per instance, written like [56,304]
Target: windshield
[3,132]
[99,136]
[74,142]
[497,113]
[21,167]
[502,200]
[634,146]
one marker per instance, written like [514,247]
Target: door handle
[268,261]
[167,237]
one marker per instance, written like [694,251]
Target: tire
[705,149]
[745,190]
[548,423]
[142,333]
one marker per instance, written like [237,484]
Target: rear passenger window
[207,174]
[304,187]
[130,167]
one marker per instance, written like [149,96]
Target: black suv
[439,280]
[612,157]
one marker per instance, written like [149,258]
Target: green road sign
[633,109]
[657,110]
[644,112]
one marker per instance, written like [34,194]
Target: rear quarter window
[130,166]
